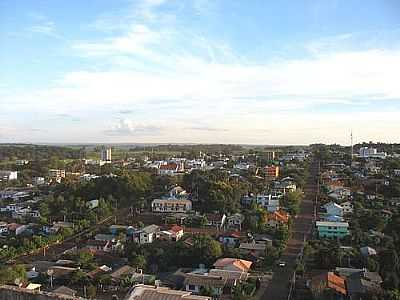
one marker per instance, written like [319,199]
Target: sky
[199,71]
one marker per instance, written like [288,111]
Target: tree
[8,275]
[206,249]
[79,277]
[91,291]
[139,261]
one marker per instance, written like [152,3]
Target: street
[279,287]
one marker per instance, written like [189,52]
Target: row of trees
[166,256]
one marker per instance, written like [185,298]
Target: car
[281,263]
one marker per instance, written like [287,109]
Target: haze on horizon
[171,71]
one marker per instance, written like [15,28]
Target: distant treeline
[38,152]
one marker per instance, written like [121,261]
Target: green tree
[139,261]
[91,291]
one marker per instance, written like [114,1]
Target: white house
[3,227]
[148,234]
[92,203]
[8,175]
[334,209]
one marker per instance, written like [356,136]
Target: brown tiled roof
[332,281]
[124,270]
[169,166]
[242,264]
[205,280]
[176,228]
[279,216]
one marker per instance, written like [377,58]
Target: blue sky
[262,72]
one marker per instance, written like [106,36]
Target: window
[192,287]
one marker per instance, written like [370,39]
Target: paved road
[301,230]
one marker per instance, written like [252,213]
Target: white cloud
[126,127]
[179,86]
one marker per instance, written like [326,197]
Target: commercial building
[105,154]
[366,152]
[171,205]
[332,229]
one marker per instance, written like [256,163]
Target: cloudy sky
[261,72]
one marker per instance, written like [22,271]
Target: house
[347,207]
[233,264]
[195,283]
[235,221]
[284,186]
[171,205]
[57,226]
[116,229]
[3,228]
[92,203]
[271,171]
[277,218]
[63,290]
[56,174]
[255,249]
[339,194]
[173,234]
[332,229]
[99,271]
[177,232]
[148,292]
[8,175]
[216,220]
[367,251]
[178,193]
[229,238]
[38,180]
[96,246]
[170,168]
[232,277]
[262,238]
[16,229]
[361,282]
[328,285]
[121,273]
[148,234]
[269,201]
[333,209]
[241,166]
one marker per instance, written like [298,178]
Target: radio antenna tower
[351,146]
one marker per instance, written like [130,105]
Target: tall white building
[366,152]
[105,154]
